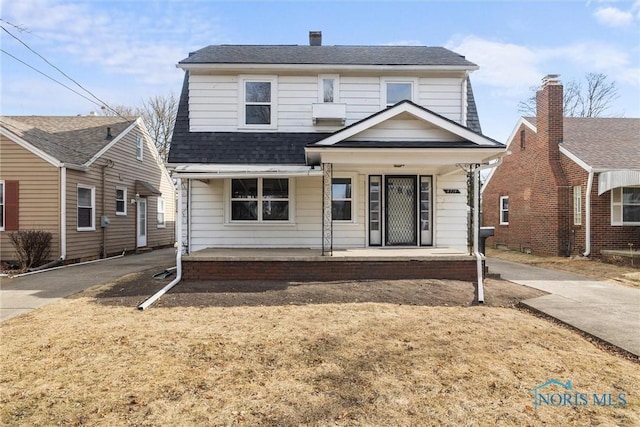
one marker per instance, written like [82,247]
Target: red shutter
[11,206]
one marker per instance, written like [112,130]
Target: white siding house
[326,147]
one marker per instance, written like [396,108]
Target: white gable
[405,127]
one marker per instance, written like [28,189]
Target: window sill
[86,229]
[121,214]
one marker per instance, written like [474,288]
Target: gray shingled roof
[327,55]
[70,139]
[602,143]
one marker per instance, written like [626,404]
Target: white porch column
[327,222]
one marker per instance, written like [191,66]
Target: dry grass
[371,364]
[595,269]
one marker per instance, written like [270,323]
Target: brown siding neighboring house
[96,166]
[539,200]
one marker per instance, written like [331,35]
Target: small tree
[593,101]
[32,247]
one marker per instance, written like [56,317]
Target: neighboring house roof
[69,139]
[602,143]
[327,55]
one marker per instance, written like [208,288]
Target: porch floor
[301,254]
[294,264]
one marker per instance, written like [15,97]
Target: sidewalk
[23,294]
[605,310]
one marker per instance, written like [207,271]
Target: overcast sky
[124,51]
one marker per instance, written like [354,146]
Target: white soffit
[614,179]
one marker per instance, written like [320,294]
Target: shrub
[32,247]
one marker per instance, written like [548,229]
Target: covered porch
[296,264]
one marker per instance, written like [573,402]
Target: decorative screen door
[401,229]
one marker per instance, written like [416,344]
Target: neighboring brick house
[569,186]
[97,184]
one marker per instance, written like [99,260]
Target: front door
[141,228]
[400,211]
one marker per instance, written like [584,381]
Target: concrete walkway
[605,310]
[22,294]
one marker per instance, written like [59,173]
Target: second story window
[258,102]
[139,148]
[328,88]
[395,90]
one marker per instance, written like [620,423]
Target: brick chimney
[550,114]
[315,38]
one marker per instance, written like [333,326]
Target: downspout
[476,225]
[476,233]
[179,248]
[587,216]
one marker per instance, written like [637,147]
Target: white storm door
[141,228]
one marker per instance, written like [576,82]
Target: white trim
[385,81]
[575,159]
[620,206]
[610,179]
[577,205]
[111,144]
[212,171]
[419,113]
[124,189]
[228,221]
[501,210]
[92,227]
[515,132]
[242,120]
[353,177]
[336,87]
[160,202]
[29,147]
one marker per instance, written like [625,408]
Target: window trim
[577,205]
[501,210]
[124,200]
[259,199]
[139,148]
[93,207]
[336,88]
[620,207]
[242,112]
[384,81]
[160,202]
[3,204]
[352,199]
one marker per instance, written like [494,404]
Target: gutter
[41,269]
[587,216]
[145,304]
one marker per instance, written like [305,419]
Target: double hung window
[258,107]
[121,200]
[504,210]
[341,199]
[86,207]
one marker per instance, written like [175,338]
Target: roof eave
[346,67]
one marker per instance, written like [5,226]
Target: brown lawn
[593,268]
[95,360]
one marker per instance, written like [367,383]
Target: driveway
[605,310]
[23,294]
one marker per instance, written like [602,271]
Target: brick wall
[330,270]
[533,179]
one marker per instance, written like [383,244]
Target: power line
[102,103]
[49,77]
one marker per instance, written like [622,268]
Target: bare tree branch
[594,101]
